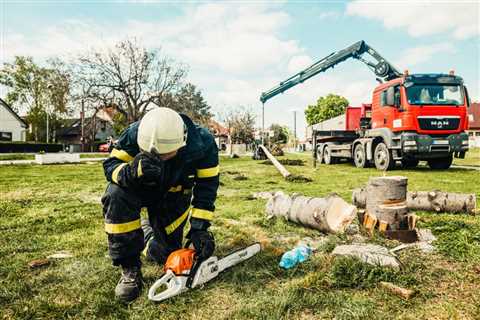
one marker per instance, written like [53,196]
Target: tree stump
[386,202]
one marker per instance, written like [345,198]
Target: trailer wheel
[327,156]
[359,156]
[320,154]
[440,163]
[383,157]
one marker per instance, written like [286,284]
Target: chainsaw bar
[211,267]
[206,271]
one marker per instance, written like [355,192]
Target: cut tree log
[399,291]
[275,162]
[434,201]
[386,201]
[330,214]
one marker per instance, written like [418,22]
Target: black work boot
[130,284]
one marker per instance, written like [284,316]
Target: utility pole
[48,133]
[82,124]
[263,123]
[294,129]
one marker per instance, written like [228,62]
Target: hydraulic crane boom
[382,68]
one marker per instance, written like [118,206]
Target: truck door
[388,109]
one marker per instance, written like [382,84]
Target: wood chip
[60,255]
[399,291]
[38,263]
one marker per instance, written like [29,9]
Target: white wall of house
[474,138]
[9,123]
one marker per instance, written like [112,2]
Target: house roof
[4,104]
[474,111]
[218,129]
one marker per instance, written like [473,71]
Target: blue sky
[235,50]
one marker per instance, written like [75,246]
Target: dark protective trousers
[157,236]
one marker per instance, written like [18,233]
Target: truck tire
[359,156]
[440,163]
[383,157]
[320,154]
[409,163]
[327,156]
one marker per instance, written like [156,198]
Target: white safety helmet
[161,130]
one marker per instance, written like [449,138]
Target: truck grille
[438,123]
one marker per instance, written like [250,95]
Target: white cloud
[423,18]
[215,36]
[298,63]
[417,55]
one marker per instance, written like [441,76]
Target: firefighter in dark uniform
[168,165]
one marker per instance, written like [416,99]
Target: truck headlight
[409,143]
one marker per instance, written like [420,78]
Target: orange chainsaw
[183,271]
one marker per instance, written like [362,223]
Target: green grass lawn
[29,156]
[472,158]
[46,209]
[17,156]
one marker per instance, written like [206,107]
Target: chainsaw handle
[175,285]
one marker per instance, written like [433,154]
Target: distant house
[474,124]
[12,127]
[96,130]
[220,133]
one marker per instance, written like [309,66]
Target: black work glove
[147,170]
[144,170]
[203,242]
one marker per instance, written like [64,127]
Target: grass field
[31,156]
[46,209]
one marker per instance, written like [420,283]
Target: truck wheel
[327,156]
[440,163]
[319,155]
[359,156]
[409,163]
[383,157]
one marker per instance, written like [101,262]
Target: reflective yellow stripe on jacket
[175,224]
[121,154]
[175,189]
[116,228]
[208,172]
[116,172]
[202,214]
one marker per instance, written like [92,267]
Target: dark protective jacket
[195,166]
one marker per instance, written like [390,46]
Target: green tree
[280,134]
[38,91]
[326,108]
[119,123]
[189,100]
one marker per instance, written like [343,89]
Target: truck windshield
[435,95]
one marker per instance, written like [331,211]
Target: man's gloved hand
[147,170]
[143,171]
[203,242]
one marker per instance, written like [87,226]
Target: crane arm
[381,67]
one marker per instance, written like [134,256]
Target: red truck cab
[422,117]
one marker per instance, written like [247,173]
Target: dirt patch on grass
[298,178]
[286,162]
